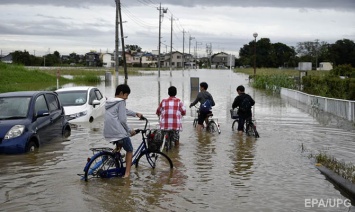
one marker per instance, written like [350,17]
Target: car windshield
[14,107]
[72,98]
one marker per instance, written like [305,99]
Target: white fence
[338,107]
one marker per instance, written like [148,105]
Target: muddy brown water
[212,172]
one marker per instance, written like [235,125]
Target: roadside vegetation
[337,83]
[345,170]
[19,78]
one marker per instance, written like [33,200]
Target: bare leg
[199,127]
[129,156]
[240,132]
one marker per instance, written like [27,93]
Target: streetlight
[255,35]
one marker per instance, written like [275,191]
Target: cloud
[313,4]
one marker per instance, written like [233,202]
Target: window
[92,96]
[52,102]
[98,95]
[40,104]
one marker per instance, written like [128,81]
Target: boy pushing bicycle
[115,123]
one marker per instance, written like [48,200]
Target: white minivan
[82,103]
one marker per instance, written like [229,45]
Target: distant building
[222,60]
[108,60]
[92,59]
[304,66]
[325,66]
[7,58]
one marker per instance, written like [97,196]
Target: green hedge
[330,86]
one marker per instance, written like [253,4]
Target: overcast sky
[42,26]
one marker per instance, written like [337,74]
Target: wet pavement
[212,172]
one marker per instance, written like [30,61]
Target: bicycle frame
[109,162]
[207,120]
[117,156]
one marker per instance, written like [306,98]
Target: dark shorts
[126,144]
[202,116]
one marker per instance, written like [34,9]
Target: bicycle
[250,127]
[107,162]
[212,125]
[168,140]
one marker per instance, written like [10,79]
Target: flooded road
[212,172]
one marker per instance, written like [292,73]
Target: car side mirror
[95,102]
[42,113]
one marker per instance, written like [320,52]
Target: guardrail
[339,107]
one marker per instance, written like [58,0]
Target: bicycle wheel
[158,161]
[256,132]
[235,125]
[168,142]
[195,122]
[212,127]
[250,130]
[102,165]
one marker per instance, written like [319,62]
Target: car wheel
[32,147]
[67,132]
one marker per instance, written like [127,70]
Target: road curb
[344,184]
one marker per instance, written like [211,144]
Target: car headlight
[78,115]
[15,131]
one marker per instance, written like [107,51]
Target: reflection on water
[212,172]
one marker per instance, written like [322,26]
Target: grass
[276,71]
[345,170]
[18,78]
[273,79]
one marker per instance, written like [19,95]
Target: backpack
[245,105]
[206,106]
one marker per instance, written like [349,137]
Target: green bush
[343,70]
[330,86]
[273,82]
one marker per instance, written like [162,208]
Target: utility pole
[209,52]
[171,42]
[190,38]
[122,41]
[116,43]
[160,15]
[316,53]
[197,43]
[183,49]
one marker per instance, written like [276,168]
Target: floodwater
[212,172]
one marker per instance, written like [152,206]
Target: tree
[342,52]
[282,55]
[133,48]
[313,51]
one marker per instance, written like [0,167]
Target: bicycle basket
[155,140]
[234,114]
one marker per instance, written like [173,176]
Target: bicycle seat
[210,115]
[117,143]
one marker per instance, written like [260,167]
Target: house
[136,59]
[304,66]
[148,60]
[189,61]
[108,60]
[7,58]
[176,59]
[222,59]
[325,66]
[92,59]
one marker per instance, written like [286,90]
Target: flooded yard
[212,172]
